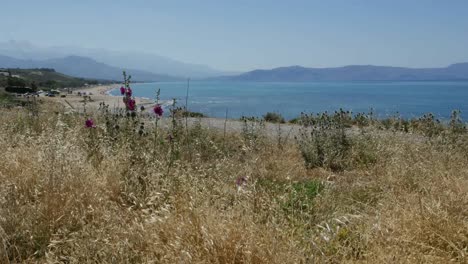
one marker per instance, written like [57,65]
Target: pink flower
[122,90]
[131,104]
[89,123]
[128,92]
[158,110]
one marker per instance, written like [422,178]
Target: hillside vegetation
[45,79]
[4,97]
[116,188]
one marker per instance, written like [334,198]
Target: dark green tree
[34,86]
[51,84]
[16,82]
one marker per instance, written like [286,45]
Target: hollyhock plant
[89,123]
[158,110]
[131,104]
[128,92]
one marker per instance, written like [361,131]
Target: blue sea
[408,99]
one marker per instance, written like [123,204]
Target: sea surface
[408,99]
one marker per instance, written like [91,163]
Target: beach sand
[98,94]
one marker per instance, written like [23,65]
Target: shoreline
[98,94]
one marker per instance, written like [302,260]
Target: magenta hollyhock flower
[122,90]
[128,92]
[131,104]
[158,110]
[89,123]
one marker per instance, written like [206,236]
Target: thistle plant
[456,124]
[174,135]
[323,141]
[93,142]
[252,130]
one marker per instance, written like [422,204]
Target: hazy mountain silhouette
[122,59]
[106,64]
[353,73]
[84,67]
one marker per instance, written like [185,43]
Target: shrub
[362,120]
[5,99]
[295,120]
[428,125]
[323,142]
[456,125]
[18,89]
[252,130]
[182,112]
[16,82]
[273,118]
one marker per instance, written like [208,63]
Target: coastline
[98,94]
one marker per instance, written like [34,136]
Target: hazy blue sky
[248,34]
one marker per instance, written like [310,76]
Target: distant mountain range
[84,68]
[457,71]
[142,61]
[108,65]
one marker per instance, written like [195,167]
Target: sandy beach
[100,94]
[95,95]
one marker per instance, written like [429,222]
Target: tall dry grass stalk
[76,195]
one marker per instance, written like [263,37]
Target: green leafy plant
[273,118]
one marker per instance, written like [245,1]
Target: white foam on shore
[109,92]
[166,103]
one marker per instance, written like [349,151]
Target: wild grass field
[123,189]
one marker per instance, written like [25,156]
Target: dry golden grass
[76,195]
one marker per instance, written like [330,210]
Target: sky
[241,35]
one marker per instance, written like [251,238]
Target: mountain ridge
[296,73]
[84,67]
[137,60]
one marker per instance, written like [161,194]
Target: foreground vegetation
[121,189]
[5,98]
